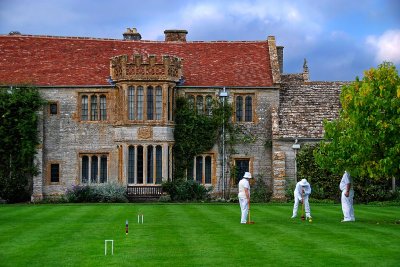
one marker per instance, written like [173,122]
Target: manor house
[111,103]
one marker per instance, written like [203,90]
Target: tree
[18,141]
[365,138]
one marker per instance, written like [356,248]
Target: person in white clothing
[244,196]
[301,193]
[346,186]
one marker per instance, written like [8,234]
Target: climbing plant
[195,132]
[18,141]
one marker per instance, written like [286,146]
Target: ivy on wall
[196,133]
[18,141]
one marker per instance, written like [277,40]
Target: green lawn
[196,235]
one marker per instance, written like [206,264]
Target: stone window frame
[253,107]
[233,163]
[90,156]
[138,111]
[49,173]
[207,102]
[50,103]
[146,165]
[192,174]
[99,108]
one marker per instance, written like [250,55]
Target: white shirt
[244,183]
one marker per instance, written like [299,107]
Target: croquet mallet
[302,206]
[249,219]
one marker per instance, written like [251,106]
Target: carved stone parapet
[150,68]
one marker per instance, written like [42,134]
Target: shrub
[80,193]
[260,191]
[186,190]
[289,189]
[109,192]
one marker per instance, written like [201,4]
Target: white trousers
[244,207]
[347,206]
[306,206]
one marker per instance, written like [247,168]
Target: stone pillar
[279,174]
[165,163]
[306,73]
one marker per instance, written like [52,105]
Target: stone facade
[111,108]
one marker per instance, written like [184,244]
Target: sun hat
[247,175]
[303,182]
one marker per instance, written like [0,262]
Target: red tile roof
[47,60]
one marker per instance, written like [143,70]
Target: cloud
[386,46]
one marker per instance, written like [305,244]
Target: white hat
[247,175]
[303,182]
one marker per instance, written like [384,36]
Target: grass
[196,235]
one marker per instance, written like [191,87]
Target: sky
[340,39]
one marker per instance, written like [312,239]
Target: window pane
[150,165]
[249,109]
[85,169]
[239,108]
[158,165]
[140,165]
[208,170]
[103,169]
[199,104]
[242,166]
[94,169]
[131,165]
[191,101]
[93,108]
[55,173]
[209,105]
[199,169]
[53,109]
[139,105]
[84,113]
[131,103]
[158,103]
[103,108]
[150,103]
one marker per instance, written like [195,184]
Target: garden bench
[143,192]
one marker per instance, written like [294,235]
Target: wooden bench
[135,192]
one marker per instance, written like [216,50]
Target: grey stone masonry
[304,106]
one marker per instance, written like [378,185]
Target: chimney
[132,34]
[279,50]
[175,35]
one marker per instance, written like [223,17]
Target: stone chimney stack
[132,34]
[279,50]
[175,35]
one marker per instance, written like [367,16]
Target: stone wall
[303,106]
[64,137]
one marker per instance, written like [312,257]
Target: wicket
[105,246]
[140,218]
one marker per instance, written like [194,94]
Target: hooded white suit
[302,188]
